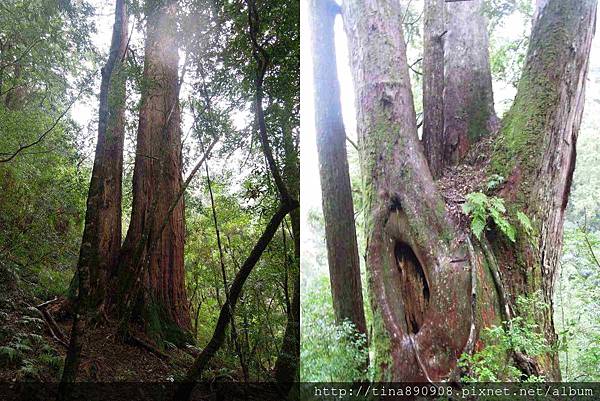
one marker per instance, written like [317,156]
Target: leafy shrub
[329,352]
[521,334]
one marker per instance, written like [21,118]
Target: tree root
[138,342]
[454,376]
[527,365]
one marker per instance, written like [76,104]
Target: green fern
[525,223]
[10,353]
[480,208]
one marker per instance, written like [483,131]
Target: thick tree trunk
[426,278]
[157,181]
[417,259]
[102,232]
[457,83]
[537,147]
[433,85]
[468,96]
[338,209]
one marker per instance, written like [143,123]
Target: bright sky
[310,185]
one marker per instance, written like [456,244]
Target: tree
[435,284]
[456,64]
[101,241]
[98,255]
[338,209]
[162,300]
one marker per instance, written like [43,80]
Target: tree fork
[417,258]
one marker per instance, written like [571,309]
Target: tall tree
[433,85]
[101,241]
[102,233]
[434,285]
[468,97]
[456,64]
[338,208]
[157,180]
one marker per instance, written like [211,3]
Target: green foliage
[525,223]
[521,334]
[30,355]
[329,352]
[494,181]
[481,207]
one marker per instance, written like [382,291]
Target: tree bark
[458,108]
[433,85]
[536,148]
[101,241]
[468,96]
[416,257]
[157,180]
[338,209]
[426,276]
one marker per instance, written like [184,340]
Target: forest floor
[34,337]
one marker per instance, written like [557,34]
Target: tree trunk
[468,97]
[537,147]
[338,209]
[456,63]
[102,232]
[433,85]
[432,288]
[157,181]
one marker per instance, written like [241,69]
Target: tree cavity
[414,286]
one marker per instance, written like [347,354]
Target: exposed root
[470,344]
[133,340]
[527,365]
[494,269]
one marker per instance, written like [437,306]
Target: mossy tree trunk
[157,180]
[338,208]
[433,286]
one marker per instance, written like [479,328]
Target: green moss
[382,347]
[161,329]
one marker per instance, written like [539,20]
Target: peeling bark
[338,209]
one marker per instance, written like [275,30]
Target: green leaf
[525,222]
[477,226]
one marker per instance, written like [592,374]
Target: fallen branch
[54,329]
